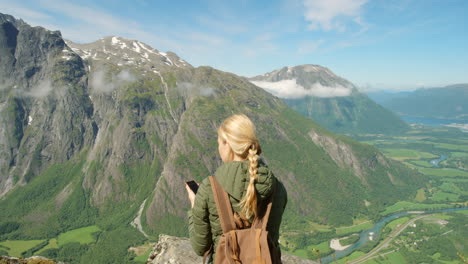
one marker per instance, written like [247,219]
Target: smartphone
[193,186]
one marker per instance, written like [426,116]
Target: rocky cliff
[46,116]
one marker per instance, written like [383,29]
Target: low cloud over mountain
[291,89]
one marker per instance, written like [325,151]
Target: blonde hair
[239,132]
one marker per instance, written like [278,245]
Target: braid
[239,132]
[249,202]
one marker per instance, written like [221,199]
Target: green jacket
[204,225]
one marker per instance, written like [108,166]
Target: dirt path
[137,221]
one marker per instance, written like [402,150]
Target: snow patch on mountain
[136,47]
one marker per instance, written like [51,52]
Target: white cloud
[308,47]
[102,83]
[99,82]
[84,24]
[207,91]
[41,90]
[12,9]
[331,14]
[227,40]
[190,89]
[291,89]
[364,26]
[88,15]
[125,75]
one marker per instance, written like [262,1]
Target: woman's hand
[191,194]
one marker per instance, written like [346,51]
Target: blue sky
[376,44]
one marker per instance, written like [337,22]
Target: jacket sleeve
[199,222]
[277,210]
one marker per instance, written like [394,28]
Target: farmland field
[16,247]
[81,235]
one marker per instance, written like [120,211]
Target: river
[435,162]
[427,121]
[375,230]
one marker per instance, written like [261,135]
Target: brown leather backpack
[242,246]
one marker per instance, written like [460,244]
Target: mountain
[380,96]
[333,102]
[449,102]
[107,133]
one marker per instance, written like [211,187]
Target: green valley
[435,238]
[438,153]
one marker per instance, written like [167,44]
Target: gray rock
[176,250]
[33,259]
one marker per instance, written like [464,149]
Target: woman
[247,180]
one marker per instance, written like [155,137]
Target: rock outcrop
[176,250]
[31,260]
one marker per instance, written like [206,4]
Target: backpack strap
[267,214]
[223,205]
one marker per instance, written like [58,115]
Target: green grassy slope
[349,115]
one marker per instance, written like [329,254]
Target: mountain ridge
[430,102]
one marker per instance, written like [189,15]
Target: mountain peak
[305,75]
[304,80]
[122,51]
[9,18]
[312,68]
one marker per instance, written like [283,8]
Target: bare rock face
[171,249]
[45,112]
[341,153]
[176,250]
